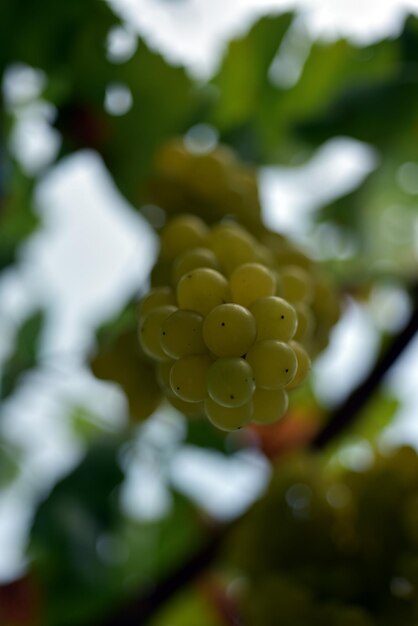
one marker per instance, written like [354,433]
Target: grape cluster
[345,552]
[225,331]
[212,184]
[216,184]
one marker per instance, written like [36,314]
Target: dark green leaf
[25,353]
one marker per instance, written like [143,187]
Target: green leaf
[188,608]
[25,353]
[17,220]
[377,415]
[363,112]
[242,77]
[65,533]
[258,115]
[9,463]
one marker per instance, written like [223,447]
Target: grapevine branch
[349,410]
[140,609]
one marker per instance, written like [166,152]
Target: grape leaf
[25,354]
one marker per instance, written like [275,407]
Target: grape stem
[350,409]
[139,610]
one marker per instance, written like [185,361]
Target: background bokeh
[321,100]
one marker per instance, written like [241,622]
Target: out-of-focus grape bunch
[336,548]
[235,312]
[213,184]
[228,328]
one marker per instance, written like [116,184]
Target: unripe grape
[251,281]
[273,363]
[296,284]
[159,296]
[306,321]
[232,245]
[181,233]
[191,409]
[303,365]
[230,382]
[229,330]
[191,260]
[150,331]
[163,376]
[188,377]
[275,318]
[269,405]
[201,290]
[181,334]
[228,418]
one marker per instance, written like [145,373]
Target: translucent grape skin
[270,405]
[159,296]
[230,382]
[201,290]
[163,376]
[251,281]
[188,377]
[150,331]
[181,233]
[274,363]
[191,260]
[306,321]
[229,330]
[303,365]
[228,418]
[191,409]
[296,284]
[232,245]
[275,318]
[181,334]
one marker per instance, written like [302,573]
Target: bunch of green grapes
[121,360]
[216,184]
[318,306]
[212,184]
[223,331]
[336,548]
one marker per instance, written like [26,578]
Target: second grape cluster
[223,333]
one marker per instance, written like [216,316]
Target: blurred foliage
[332,548]
[87,554]
[17,219]
[25,354]
[324,546]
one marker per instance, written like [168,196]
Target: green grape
[303,366]
[296,284]
[202,289]
[150,331]
[269,405]
[266,257]
[306,321]
[251,281]
[191,260]
[275,318]
[181,233]
[188,377]
[229,330]
[233,246]
[191,409]
[159,296]
[230,382]
[172,159]
[228,418]
[273,363]
[181,334]
[163,376]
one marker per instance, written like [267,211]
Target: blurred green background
[110,518]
